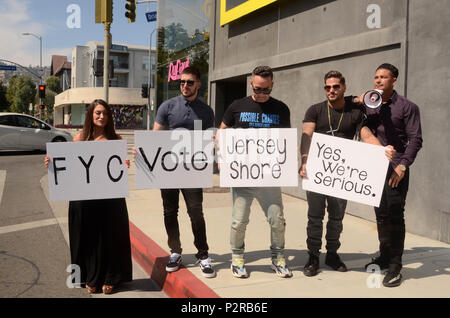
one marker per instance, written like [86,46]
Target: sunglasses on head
[335,87]
[188,82]
[265,91]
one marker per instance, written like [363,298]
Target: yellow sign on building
[237,11]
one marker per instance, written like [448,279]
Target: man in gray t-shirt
[181,112]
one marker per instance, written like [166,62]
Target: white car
[23,132]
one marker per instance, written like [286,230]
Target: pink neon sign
[175,69]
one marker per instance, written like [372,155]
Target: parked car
[23,132]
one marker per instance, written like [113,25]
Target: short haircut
[389,67]
[263,71]
[192,70]
[334,74]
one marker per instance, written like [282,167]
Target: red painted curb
[153,259]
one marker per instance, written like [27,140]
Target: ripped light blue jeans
[271,203]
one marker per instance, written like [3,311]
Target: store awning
[85,95]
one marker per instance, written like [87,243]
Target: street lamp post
[40,64]
[150,109]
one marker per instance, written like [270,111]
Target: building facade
[129,68]
[303,39]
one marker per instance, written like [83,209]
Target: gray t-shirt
[178,112]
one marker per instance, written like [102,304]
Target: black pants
[316,212]
[194,200]
[391,221]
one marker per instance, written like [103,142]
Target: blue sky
[48,18]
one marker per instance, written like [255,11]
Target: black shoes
[312,267]
[392,279]
[333,260]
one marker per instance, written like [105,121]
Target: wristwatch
[402,167]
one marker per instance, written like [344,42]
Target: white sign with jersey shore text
[346,169]
[87,170]
[177,159]
[262,157]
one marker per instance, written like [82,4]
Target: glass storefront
[183,40]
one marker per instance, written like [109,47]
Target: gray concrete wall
[303,39]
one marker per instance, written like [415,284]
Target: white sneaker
[206,267]
[280,268]
[238,268]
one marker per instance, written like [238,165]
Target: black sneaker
[380,261]
[206,267]
[334,261]
[174,263]
[312,267]
[393,278]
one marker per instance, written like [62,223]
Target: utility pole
[108,40]
[103,14]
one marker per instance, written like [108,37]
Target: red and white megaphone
[373,98]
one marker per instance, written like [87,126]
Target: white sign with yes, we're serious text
[346,169]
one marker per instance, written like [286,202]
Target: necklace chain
[329,121]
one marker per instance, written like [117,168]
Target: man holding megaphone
[395,121]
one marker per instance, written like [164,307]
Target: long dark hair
[88,128]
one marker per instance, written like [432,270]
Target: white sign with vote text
[177,159]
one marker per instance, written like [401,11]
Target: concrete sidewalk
[426,269]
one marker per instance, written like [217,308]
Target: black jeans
[391,221]
[316,212]
[194,200]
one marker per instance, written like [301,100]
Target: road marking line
[2,183]
[29,225]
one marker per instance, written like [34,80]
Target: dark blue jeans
[391,221]
[194,201]
[316,212]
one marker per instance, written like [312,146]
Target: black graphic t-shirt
[246,113]
[353,119]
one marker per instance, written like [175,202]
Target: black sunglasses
[265,91]
[335,87]
[188,82]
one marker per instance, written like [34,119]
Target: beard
[189,93]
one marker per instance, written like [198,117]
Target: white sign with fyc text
[87,170]
[346,169]
[174,159]
[262,157]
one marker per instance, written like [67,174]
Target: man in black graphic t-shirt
[247,113]
[258,111]
[337,116]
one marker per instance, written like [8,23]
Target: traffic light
[131,10]
[41,107]
[144,92]
[41,91]
[103,11]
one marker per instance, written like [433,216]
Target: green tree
[20,93]
[53,84]
[4,105]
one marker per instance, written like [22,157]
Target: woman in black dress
[99,229]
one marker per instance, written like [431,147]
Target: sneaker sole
[171,270]
[212,275]
[394,284]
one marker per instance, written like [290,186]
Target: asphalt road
[34,255]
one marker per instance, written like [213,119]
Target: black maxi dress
[100,241]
